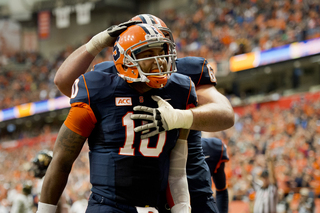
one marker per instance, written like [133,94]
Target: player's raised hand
[163,118]
[107,37]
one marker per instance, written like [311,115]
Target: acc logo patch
[124,101]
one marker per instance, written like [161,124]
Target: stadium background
[266,55]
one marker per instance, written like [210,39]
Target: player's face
[150,65]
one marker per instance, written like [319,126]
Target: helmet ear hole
[166,48]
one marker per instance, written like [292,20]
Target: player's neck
[141,87]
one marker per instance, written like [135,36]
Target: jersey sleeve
[89,88]
[198,69]
[182,92]
[87,91]
[215,151]
[80,91]
[81,119]
[106,67]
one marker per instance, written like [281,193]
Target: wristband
[181,208]
[46,208]
[184,118]
[97,43]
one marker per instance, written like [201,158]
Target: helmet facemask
[153,79]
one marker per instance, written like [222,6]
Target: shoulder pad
[106,66]
[93,86]
[180,89]
[198,69]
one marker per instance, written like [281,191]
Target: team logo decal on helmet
[155,21]
[136,39]
[158,23]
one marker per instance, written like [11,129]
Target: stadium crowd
[292,137]
[215,30]
[235,27]
[221,29]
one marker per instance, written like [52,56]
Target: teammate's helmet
[136,39]
[41,162]
[155,21]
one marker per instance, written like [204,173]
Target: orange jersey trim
[220,160]
[81,119]
[85,83]
[201,73]
[188,106]
[169,197]
[219,190]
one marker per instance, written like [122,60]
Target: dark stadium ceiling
[8,8]
[100,4]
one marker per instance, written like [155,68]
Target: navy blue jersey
[199,179]
[123,167]
[200,72]
[198,69]
[215,152]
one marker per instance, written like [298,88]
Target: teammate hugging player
[214,112]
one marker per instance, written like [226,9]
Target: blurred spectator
[306,203]
[23,202]
[265,187]
[80,205]
[39,167]
[4,206]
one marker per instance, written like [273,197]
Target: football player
[199,178]
[127,173]
[39,167]
[214,113]
[216,156]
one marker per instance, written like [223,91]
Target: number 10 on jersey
[146,151]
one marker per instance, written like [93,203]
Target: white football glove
[107,38]
[163,118]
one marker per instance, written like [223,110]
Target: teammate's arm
[66,149]
[214,111]
[79,61]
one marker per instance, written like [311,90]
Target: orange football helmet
[136,39]
[155,21]
[158,23]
